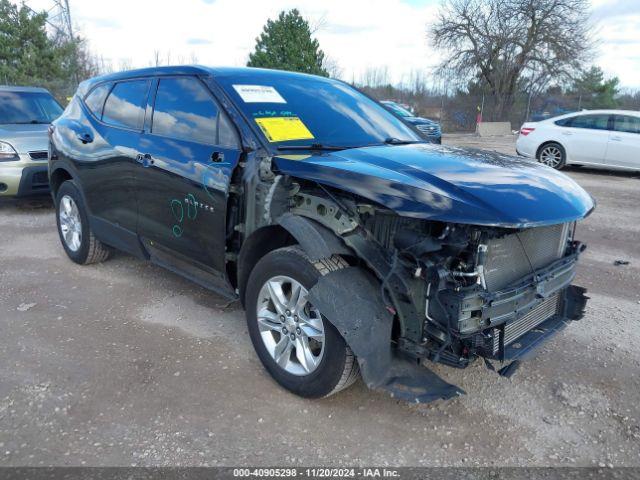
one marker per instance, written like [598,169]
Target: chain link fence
[461,112]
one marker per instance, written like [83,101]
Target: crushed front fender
[350,299]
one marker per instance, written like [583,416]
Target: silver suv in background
[25,115]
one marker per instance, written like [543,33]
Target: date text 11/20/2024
[317,472]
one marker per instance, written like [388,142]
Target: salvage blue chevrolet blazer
[356,248]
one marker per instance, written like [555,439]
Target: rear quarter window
[563,121]
[96,97]
[126,104]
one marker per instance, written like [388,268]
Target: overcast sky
[356,34]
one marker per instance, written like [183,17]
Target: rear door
[624,142]
[184,170]
[107,147]
[585,138]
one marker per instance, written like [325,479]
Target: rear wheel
[77,239]
[301,350]
[553,155]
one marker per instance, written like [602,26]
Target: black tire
[551,146]
[91,250]
[338,368]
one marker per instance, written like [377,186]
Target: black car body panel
[465,252]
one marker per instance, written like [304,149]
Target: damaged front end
[498,296]
[448,293]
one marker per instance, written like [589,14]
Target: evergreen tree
[286,44]
[28,56]
[594,90]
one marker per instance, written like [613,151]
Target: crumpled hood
[448,184]
[25,138]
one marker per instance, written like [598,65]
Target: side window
[95,99]
[593,122]
[626,123]
[126,104]
[184,109]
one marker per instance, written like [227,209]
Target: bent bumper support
[350,299]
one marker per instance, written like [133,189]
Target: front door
[185,167]
[624,142]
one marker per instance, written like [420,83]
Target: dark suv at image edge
[355,247]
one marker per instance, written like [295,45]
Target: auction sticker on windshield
[282,129]
[258,94]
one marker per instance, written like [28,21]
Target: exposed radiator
[517,328]
[507,262]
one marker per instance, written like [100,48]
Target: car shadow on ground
[27,203]
[602,171]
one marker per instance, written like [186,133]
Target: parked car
[427,129]
[25,115]
[608,138]
[352,244]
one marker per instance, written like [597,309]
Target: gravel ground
[126,364]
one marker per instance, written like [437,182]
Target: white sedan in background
[608,138]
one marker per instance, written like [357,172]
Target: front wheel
[301,350]
[553,155]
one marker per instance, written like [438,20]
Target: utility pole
[59,18]
[63,17]
[66,12]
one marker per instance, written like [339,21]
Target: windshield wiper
[397,141]
[313,146]
[30,122]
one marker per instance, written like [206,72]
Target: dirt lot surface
[124,363]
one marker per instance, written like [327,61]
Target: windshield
[403,112]
[295,110]
[28,107]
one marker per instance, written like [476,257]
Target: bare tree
[332,67]
[375,77]
[125,64]
[155,61]
[512,44]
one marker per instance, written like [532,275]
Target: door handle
[217,157]
[567,133]
[616,139]
[84,137]
[145,159]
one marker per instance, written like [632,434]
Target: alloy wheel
[70,223]
[290,327]
[551,156]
